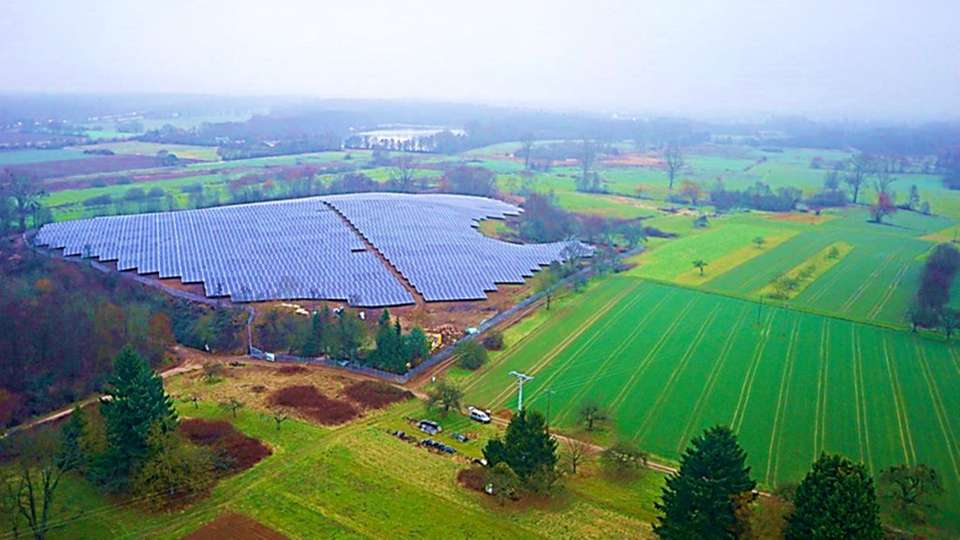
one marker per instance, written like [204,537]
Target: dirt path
[189,364]
[417,297]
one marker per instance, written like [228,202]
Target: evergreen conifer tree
[699,501]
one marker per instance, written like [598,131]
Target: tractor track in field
[680,366]
[866,282]
[863,430]
[628,305]
[712,378]
[601,370]
[643,364]
[903,422]
[783,398]
[888,294]
[939,409]
[513,350]
[499,398]
[737,421]
[820,418]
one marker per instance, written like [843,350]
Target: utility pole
[549,393]
[521,378]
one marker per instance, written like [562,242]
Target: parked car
[479,415]
[429,426]
[461,437]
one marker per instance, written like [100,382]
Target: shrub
[622,459]
[493,341]
[98,200]
[474,478]
[471,355]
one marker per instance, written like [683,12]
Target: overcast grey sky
[849,58]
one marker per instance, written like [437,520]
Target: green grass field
[357,481]
[669,362]
[137,148]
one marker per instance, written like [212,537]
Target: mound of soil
[376,394]
[238,451]
[309,402]
[231,526]
[474,478]
[291,370]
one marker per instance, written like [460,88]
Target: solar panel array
[265,251]
[302,248]
[433,242]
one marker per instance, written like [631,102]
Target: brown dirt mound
[239,451]
[376,394]
[474,478]
[291,370]
[309,402]
[231,526]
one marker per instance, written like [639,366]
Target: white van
[479,415]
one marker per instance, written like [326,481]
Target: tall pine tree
[699,501]
[527,448]
[135,402]
[835,500]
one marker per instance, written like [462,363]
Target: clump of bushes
[493,341]
[470,354]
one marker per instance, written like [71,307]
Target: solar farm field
[669,361]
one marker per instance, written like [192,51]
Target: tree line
[61,324]
[931,305]
[342,334]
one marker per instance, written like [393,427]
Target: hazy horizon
[860,60]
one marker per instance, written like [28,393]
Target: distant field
[88,165]
[137,148]
[669,362]
[22,157]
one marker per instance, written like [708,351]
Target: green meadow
[669,361]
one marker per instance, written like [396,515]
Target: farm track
[671,380]
[888,294]
[903,423]
[776,435]
[819,424]
[586,344]
[712,378]
[557,349]
[863,433]
[878,271]
[602,368]
[939,410]
[737,420]
[642,365]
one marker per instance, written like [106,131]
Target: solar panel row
[265,251]
[433,242]
[301,248]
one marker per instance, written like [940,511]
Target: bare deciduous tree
[673,159]
[858,169]
[402,174]
[575,453]
[592,414]
[526,149]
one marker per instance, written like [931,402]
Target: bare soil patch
[238,451]
[801,217]
[375,394]
[634,160]
[291,370]
[309,403]
[232,526]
